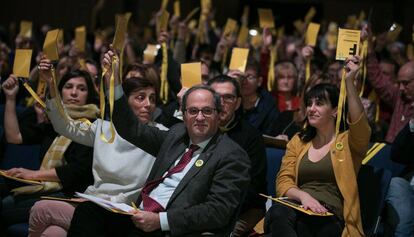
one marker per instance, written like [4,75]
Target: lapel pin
[339,146]
[199,163]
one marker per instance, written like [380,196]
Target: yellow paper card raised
[312,34]
[50,45]
[243,35]
[150,53]
[164,4]
[238,59]
[230,27]
[348,43]
[266,18]
[22,59]
[299,25]
[162,21]
[26,29]
[120,32]
[190,74]
[310,14]
[177,9]
[80,38]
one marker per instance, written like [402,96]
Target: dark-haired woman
[120,169]
[320,167]
[65,165]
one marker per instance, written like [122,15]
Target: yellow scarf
[54,155]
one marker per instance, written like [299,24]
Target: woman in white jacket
[120,169]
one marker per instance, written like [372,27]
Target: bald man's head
[405,81]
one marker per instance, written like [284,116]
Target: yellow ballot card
[162,21]
[22,59]
[310,14]
[26,29]
[149,53]
[26,181]
[177,9]
[60,39]
[348,43]
[164,4]
[230,27]
[312,34]
[299,25]
[266,18]
[243,35]
[41,88]
[238,59]
[190,74]
[120,32]
[80,38]
[50,45]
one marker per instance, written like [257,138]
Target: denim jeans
[401,198]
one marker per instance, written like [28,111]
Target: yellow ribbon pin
[199,163]
[339,146]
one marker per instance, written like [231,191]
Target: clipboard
[26,181]
[292,204]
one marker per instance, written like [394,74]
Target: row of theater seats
[373,179]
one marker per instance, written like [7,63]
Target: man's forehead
[200,95]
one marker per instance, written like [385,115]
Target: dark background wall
[71,13]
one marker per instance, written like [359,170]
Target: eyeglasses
[405,83]
[206,111]
[228,98]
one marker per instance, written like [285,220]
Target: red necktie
[149,203]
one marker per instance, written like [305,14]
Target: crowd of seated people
[193,160]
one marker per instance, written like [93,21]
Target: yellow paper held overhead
[50,45]
[243,35]
[266,18]
[191,14]
[26,29]
[310,14]
[348,43]
[190,74]
[230,27]
[312,34]
[177,9]
[22,59]
[162,21]
[299,25]
[238,59]
[120,32]
[80,38]
[164,4]
[150,53]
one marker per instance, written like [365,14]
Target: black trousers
[284,221]
[91,220]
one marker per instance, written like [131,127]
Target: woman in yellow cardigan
[320,168]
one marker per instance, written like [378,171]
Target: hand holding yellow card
[22,59]
[348,43]
[312,34]
[190,74]
[162,21]
[50,45]
[266,18]
[238,59]
[80,38]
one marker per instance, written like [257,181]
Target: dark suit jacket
[403,149]
[209,197]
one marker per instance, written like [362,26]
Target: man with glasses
[240,131]
[196,185]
